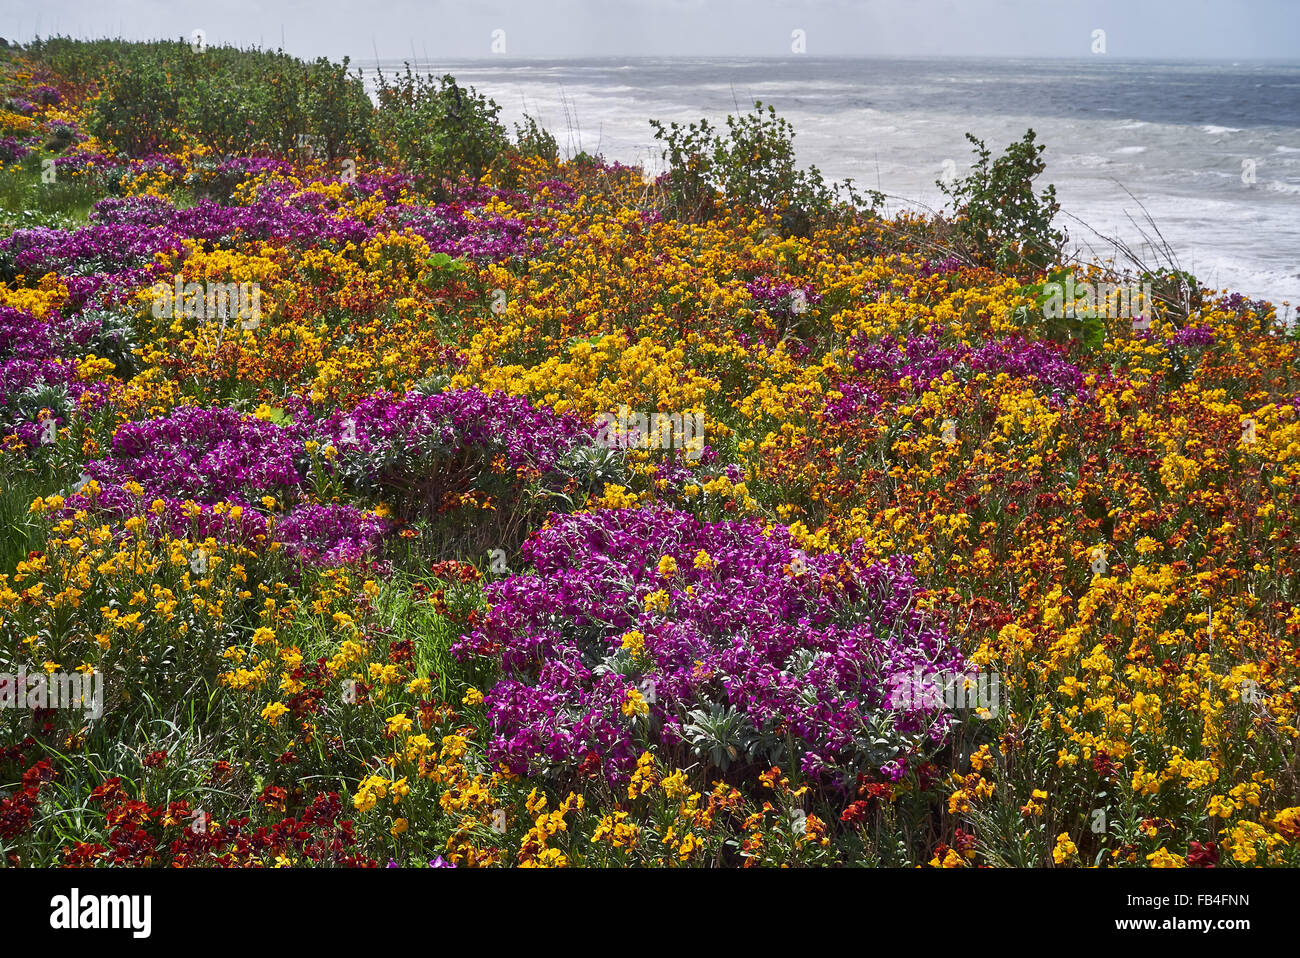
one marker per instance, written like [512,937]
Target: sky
[460,29]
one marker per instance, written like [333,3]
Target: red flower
[82,854]
[39,774]
[131,813]
[16,813]
[855,814]
[876,790]
[1103,766]
[1203,856]
[110,791]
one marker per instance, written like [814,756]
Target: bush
[155,96]
[337,108]
[439,130]
[752,166]
[1001,221]
[532,139]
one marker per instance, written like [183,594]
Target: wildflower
[634,642]
[272,712]
[634,703]
[1163,858]
[1064,849]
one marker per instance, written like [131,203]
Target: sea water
[1209,150]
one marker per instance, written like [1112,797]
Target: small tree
[753,165]
[337,108]
[439,130]
[1003,223]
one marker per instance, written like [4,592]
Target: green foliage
[1088,328]
[532,139]
[114,338]
[1003,223]
[721,734]
[336,108]
[445,266]
[753,165]
[1177,291]
[154,97]
[440,131]
[692,179]
[26,201]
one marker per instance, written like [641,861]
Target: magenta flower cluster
[798,647]
[922,360]
[210,456]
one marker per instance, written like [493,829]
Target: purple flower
[798,648]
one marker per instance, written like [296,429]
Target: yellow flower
[420,687]
[472,697]
[1064,849]
[634,642]
[657,601]
[676,784]
[1163,858]
[273,712]
[398,725]
[667,567]
[634,703]
[1221,806]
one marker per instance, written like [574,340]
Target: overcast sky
[453,29]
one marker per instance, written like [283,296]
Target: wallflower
[272,712]
[1064,849]
[1163,858]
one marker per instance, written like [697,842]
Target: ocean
[1211,150]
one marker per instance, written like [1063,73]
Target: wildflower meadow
[379,488]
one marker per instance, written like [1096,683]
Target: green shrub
[1000,220]
[138,109]
[337,109]
[156,96]
[439,130]
[753,165]
[532,139]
